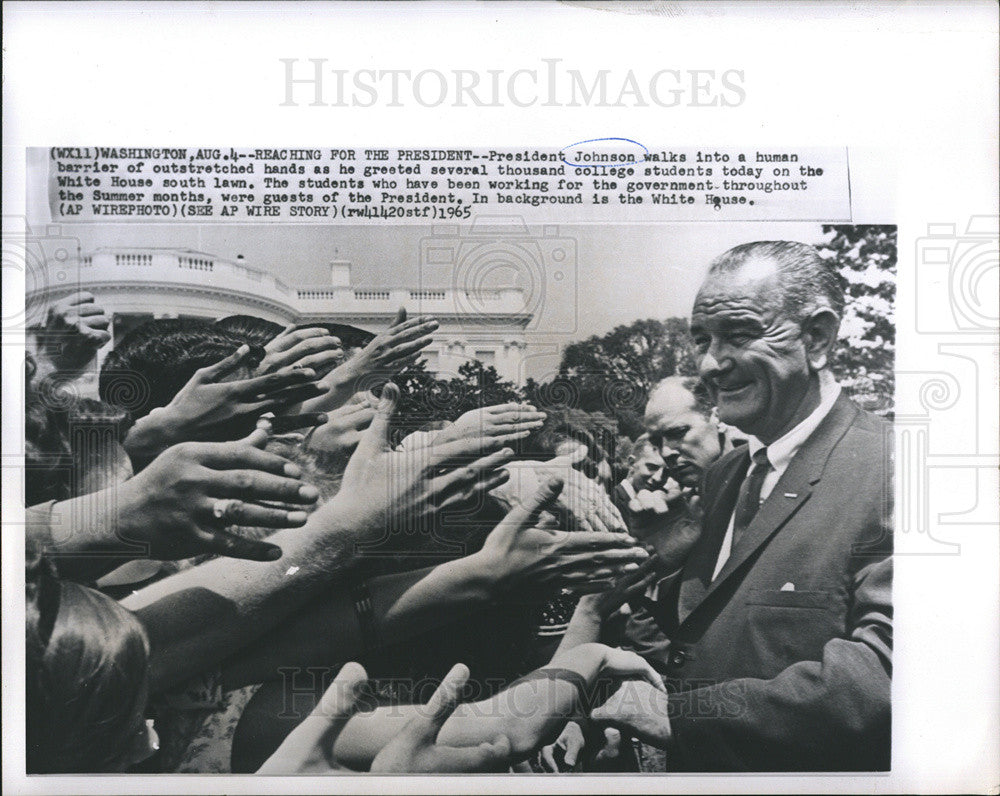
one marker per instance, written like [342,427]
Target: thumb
[400,316]
[223,367]
[259,436]
[527,514]
[376,436]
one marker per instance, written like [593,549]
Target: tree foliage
[865,257]
[604,381]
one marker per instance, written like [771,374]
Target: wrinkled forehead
[753,289]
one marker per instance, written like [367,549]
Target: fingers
[245,455]
[292,336]
[285,399]
[624,664]
[325,348]
[442,703]
[228,544]
[579,541]
[527,514]
[376,436]
[282,424]
[654,502]
[252,486]
[610,515]
[401,351]
[228,512]
[486,757]
[526,414]
[223,367]
[320,729]
[468,492]
[612,558]
[612,744]
[510,407]
[263,386]
[411,330]
[548,759]
[473,471]
[87,309]
[572,742]
[80,297]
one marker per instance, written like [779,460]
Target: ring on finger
[222,507]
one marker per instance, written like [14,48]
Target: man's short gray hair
[807,281]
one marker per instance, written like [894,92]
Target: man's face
[687,439]
[646,471]
[749,353]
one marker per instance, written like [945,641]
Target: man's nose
[712,363]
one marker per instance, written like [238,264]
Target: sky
[618,273]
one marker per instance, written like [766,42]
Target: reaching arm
[529,713]
[199,617]
[403,605]
[515,556]
[177,507]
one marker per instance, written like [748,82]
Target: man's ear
[820,336]
[631,460]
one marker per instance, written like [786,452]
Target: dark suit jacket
[768,679]
[621,500]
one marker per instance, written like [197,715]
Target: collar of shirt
[782,450]
[629,489]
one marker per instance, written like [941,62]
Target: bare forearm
[584,627]
[199,617]
[402,606]
[530,713]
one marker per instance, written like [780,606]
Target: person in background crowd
[646,472]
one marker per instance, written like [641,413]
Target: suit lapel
[792,490]
[699,567]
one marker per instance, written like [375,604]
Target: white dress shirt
[780,453]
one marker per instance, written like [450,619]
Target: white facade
[136,284]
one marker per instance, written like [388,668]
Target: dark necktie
[749,500]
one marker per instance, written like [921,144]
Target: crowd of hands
[204,466]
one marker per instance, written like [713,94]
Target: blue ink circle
[615,164]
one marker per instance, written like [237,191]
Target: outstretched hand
[383,490]
[309,748]
[383,357]
[640,709]
[522,555]
[181,505]
[505,423]
[310,347]
[75,327]
[210,408]
[669,520]
[415,750]
[345,425]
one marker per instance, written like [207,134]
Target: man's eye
[701,343]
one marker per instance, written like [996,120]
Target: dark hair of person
[87,676]
[808,282]
[250,328]
[155,360]
[66,438]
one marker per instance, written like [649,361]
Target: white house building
[138,284]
